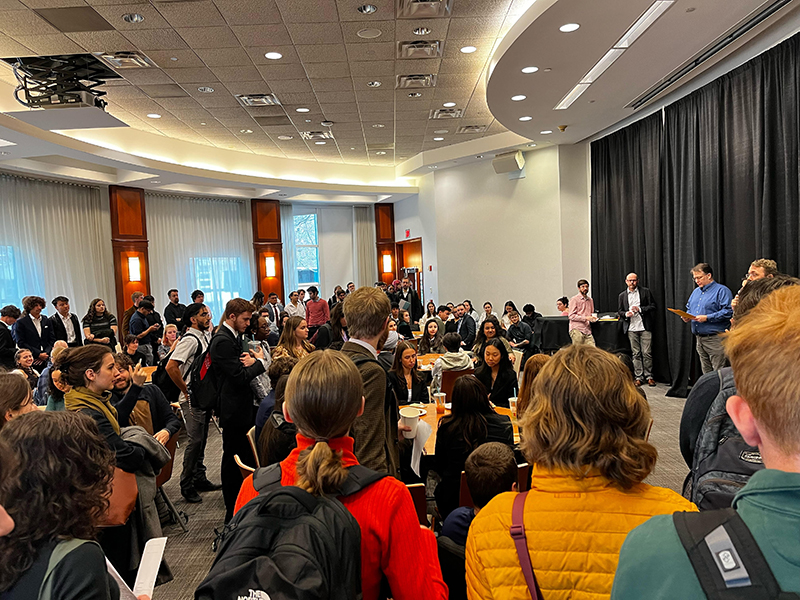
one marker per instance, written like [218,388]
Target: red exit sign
[408,233]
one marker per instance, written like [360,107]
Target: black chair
[454,571]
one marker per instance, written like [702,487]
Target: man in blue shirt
[710,304]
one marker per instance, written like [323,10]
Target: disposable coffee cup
[512,404]
[410,418]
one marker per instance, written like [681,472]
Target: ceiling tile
[404,30]
[350,31]
[248,87]
[262,35]
[327,70]
[179,104]
[198,13]
[478,8]
[322,53]
[301,98]
[417,65]
[145,76]
[249,12]
[284,86]
[101,41]
[264,111]
[333,85]
[324,97]
[277,72]
[340,107]
[12,5]
[9,47]
[236,73]
[315,33]
[348,10]
[224,57]
[289,55]
[348,127]
[195,75]
[209,37]
[156,39]
[163,58]
[383,96]
[53,3]
[371,51]
[152,18]
[462,64]
[372,69]
[49,44]
[24,22]
[308,11]
[360,83]
[168,90]
[474,28]
[123,91]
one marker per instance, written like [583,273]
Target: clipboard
[682,313]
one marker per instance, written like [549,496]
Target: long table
[607,335]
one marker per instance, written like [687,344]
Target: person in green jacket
[763,349]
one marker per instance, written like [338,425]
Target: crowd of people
[317,386]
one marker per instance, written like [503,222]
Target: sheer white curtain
[364,245]
[55,240]
[200,243]
[289,262]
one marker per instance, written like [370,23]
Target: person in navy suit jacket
[8,348]
[34,331]
[65,324]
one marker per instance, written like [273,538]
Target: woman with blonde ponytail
[323,399]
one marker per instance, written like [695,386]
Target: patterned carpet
[190,555]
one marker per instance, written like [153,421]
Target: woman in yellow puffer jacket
[585,437]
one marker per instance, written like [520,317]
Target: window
[220,279]
[306,249]
[12,284]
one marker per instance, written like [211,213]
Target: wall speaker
[510,161]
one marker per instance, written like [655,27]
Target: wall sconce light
[270,266]
[134,269]
[387,263]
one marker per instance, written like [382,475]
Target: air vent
[446,113]
[316,135]
[258,100]
[415,81]
[125,60]
[421,9]
[420,49]
[381,146]
[472,129]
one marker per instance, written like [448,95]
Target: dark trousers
[234,441]
[194,468]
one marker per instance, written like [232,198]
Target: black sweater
[505,385]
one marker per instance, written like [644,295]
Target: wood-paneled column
[129,244]
[268,246]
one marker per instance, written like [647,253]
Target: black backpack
[722,462]
[161,378]
[203,388]
[726,558]
[289,545]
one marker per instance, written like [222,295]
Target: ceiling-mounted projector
[508,162]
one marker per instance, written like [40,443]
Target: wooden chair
[418,495]
[449,379]
[517,361]
[164,476]
[251,437]
[523,474]
[464,497]
[243,468]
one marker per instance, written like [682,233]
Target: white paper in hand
[423,433]
[148,567]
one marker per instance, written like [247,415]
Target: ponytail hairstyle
[323,398]
[74,362]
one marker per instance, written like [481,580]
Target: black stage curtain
[729,190]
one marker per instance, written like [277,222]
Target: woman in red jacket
[323,398]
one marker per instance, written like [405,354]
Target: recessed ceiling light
[373,84]
[468,49]
[153,116]
[449,104]
[273,55]
[569,27]
[479,156]
[370,33]
[302,110]
[415,94]
[379,125]
[173,58]
[433,167]
[380,152]
[525,118]
[326,123]
[518,98]
[531,145]
[4,153]
[546,132]
[422,31]
[202,123]
[282,195]
[320,143]
[155,181]
[205,89]
[442,131]
[284,137]
[132,18]
[352,148]
[245,131]
[308,120]
[367,9]
[527,70]
[438,139]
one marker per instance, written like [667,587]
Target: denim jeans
[197,422]
[641,343]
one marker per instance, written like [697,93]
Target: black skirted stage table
[607,335]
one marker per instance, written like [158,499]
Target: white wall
[573,169]
[418,215]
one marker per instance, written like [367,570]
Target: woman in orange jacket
[585,432]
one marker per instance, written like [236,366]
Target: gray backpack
[61,550]
[723,462]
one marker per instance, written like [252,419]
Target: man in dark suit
[34,331]
[65,324]
[233,371]
[406,294]
[636,309]
[465,327]
[173,313]
[8,316]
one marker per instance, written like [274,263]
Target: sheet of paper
[423,433]
[681,313]
[125,593]
[148,567]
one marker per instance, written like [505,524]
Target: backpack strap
[61,550]
[726,558]
[358,478]
[521,544]
[267,479]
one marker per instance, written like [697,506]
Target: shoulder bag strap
[267,479]
[359,477]
[521,544]
[61,550]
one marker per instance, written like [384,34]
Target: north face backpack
[203,390]
[723,462]
[287,544]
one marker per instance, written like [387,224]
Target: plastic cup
[512,404]
[410,418]
[440,398]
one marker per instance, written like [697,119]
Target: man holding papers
[710,302]
[636,309]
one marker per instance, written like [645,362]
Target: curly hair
[585,414]
[31,302]
[92,312]
[57,487]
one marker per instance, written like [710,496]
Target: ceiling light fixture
[4,153]
[374,84]
[367,9]
[246,131]
[546,132]
[380,152]
[273,55]
[326,123]
[468,49]
[153,116]
[642,23]
[433,167]
[422,31]
[479,156]
[302,110]
[308,120]
[202,123]
[173,58]
[527,70]
[525,118]
[205,89]
[155,182]
[569,27]
[449,104]
[415,94]
[379,125]
[442,131]
[571,96]
[518,98]
[602,64]
[132,18]
[438,139]
[531,145]
[320,143]
[285,137]
[370,33]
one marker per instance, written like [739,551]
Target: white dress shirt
[636,319]
[68,326]
[38,324]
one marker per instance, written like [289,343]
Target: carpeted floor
[190,555]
